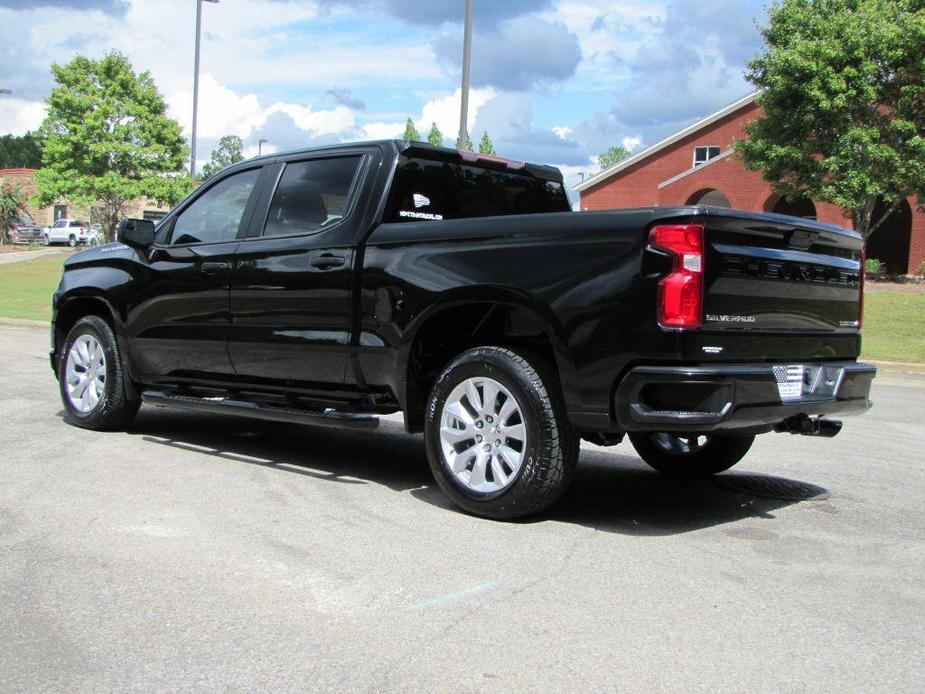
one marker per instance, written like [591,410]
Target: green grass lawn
[894,322]
[26,287]
[894,326]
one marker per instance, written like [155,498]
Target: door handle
[328,261]
[213,268]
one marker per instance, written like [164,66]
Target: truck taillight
[680,294]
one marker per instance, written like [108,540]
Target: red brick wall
[637,186]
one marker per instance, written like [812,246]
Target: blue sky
[554,81]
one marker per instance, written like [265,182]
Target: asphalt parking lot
[210,553]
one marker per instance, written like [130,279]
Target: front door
[178,328]
[291,290]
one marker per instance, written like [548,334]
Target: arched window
[798,207]
[709,197]
[890,242]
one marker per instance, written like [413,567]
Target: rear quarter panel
[580,272]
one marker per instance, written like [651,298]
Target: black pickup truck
[332,285]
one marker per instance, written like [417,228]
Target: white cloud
[19,116]
[223,111]
[631,142]
[562,131]
[444,111]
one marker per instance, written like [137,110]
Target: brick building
[698,166]
[44,216]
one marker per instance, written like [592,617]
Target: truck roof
[427,150]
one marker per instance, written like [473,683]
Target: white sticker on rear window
[420,215]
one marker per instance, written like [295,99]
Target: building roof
[17,172]
[667,142]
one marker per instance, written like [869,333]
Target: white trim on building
[667,142]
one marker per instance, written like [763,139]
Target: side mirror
[138,233]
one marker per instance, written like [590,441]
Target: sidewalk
[18,256]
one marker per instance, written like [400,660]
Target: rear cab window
[433,190]
[312,195]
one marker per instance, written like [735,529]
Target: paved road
[196,553]
[19,256]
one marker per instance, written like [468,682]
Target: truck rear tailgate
[779,287]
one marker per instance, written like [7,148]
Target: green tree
[485,145]
[612,156]
[18,151]
[435,137]
[12,209]
[108,139]
[843,93]
[411,133]
[230,151]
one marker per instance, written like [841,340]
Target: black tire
[550,455]
[115,408]
[72,241]
[678,456]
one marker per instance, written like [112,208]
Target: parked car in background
[27,232]
[73,232]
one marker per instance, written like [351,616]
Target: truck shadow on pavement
[611,492]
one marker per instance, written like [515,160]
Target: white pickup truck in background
[73,232]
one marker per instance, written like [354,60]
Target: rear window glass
[311,195]
[429,190]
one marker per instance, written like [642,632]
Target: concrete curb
[24,323]
[898,366]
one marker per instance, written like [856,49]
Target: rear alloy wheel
[72,241]
[91,378]
[498,442]
[691,456]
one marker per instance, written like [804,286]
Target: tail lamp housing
[680,293]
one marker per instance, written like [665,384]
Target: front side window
[427,189]
[704,154]
[215,215]
[311,195]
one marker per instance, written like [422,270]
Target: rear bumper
[736,397]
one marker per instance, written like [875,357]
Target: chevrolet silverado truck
[333,285]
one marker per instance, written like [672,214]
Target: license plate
[789,381]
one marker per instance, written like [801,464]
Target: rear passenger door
[291,298]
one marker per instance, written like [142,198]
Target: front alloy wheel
[92,378]
[85,373]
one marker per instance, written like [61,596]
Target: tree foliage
[411,133]
[485,145]
[230,151]
[612,156]
[843,93]
[108,139]
[435,137]
[20,151]
[12,209]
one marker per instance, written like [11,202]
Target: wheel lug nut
[487,448]
[488,419]
[497,442]
[478,439]
[478,424]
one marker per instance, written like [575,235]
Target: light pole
[192,161]
[467,59]
[260,145]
